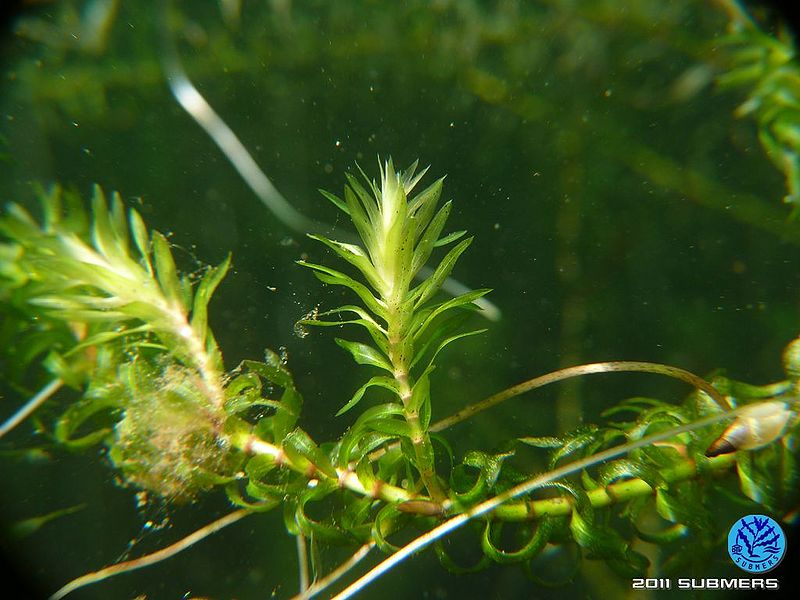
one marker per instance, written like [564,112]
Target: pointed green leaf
[338,202]
[274,371]
[202,296]
[391,426]
[118,223]
[450,237]
[368,201]
[27,527]
[425,318]
[76,415]
[379,381]
[376,332]
[334,277]
[441,346]
[140,238]
[361,427]
[420,393]
[359,217]
[426,243]
[423,206]
[166,272]
[298,443]
[365,355]
[353,254]
[424,291]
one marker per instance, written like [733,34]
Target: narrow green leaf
[365,355]
[376,332]
[338,202]
[109,242]
[391,426]
[76,415]
[450,237]
[379,381]
[26,527]
[359,217]
[299,443]
[140,238]
[362,425]
[424,291]
[442,344]
[51,207]
[420,393]
[542,442]
[535,544]
[353,254]
[333,277]
[426,243]
[368,201]
[424,318]
[118,223]
[205,290]
[259,466]
[273,370]
[422,207]
[166,272]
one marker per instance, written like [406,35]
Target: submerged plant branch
[153,558]
[331,578]
[526,487]
[30,406]
[154,392]
[619,366]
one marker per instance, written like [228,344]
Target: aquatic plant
[152,388]
[117,338]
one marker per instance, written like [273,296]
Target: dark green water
[572,136]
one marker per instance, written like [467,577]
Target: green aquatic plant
[399,234]
[150,384]
[767,66]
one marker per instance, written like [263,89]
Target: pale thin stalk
[526,487]
[31,405]
[337,573]
[617,366]
[302,561]
[151,559]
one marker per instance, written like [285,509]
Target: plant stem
[607,495]
[346,478]
[151,559]
[400,350]
[31,405]
[492,504]
[619,366]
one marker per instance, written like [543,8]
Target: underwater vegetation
[294,401]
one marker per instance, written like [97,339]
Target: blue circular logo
[756,543]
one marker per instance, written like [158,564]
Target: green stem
[615,493]
[400,349]
[346,478]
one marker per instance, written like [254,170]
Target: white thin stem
[151,559]
[615,366]
[526,487]
[337,573]
[302,561]
[30,406]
